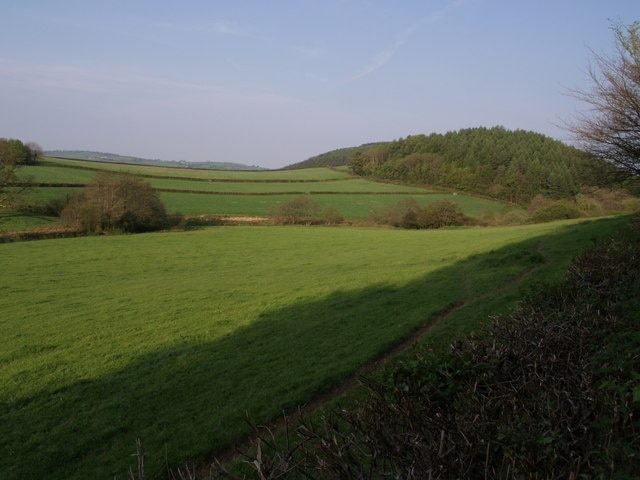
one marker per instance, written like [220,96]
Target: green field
[193,192]
[172,337]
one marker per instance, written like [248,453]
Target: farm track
[244,445]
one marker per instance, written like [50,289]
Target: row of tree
[15,152]
[13,155]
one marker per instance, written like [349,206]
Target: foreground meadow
[173,337]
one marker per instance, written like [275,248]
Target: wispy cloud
[383,57]
[229,28]
[310,52]
[103,80]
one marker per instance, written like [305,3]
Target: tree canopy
[504,164]
[13,154]
[611,128]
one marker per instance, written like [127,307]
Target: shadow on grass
[186,401]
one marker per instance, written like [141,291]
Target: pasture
[172,337]
[192,192]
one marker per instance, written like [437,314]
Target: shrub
[558,210]
[441,213]
[631,205]
[400,214]
[115,202]
[331,216]
[301,209]
[407,213]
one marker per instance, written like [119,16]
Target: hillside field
[173,337]
[189,191]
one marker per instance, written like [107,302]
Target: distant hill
[335,158]
[111,157]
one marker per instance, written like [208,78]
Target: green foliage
[559,210]
[115,202]
[13,155]
[509,165]
[301,209]
[305,209]
[408,213]
[14,152]
[441,213]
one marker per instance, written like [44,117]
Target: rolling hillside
[233,192]
[111,157]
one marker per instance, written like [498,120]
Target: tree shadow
[186,401]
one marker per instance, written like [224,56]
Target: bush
[331,216]
[559,210]
[631,205]
[403,213]
[407,213]
[115,202]
[306,210]
[441,213]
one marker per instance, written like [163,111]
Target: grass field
[15,220]
[172,337]
[193,192]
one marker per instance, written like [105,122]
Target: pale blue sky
[274,82]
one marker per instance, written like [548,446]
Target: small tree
[13,154]
[115,201]
[611,129]
[35,152]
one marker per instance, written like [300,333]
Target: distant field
[193,192]
[172,337]
[147,170]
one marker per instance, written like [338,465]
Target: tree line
[14,154]
[508,165]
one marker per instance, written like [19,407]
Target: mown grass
[172,337]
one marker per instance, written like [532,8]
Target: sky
[272,83]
